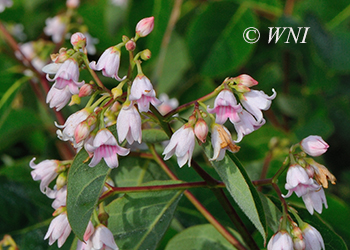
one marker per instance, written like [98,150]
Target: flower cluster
[307,178]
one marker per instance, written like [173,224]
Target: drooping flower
[59,230]
[254,101]
[225,106]
[143,93]
[56,28]
[280,241]
[58,98]
[129,125]
[145,26]
[181,144]
[321,173]
[101,239]
[221,140]
[105,146]
[246,125]
[45,171]
[314,145]
[312,238]
[60,198]
[70,126]
[109,63]
[314,200]
[298,181]
[68,75]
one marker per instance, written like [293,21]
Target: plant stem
[94,75]
[221,229]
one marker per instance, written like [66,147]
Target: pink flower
[56,28]
[246,125]
[73,4]
[70,126]
[314,199]
[312,238]
[201,130]
[167,104]
[4,4]
[182,145]
[246,80]
[129,125]
[225,106]
[298,181]
[221,141]
[59,230]
[68,75]
[105,146]
[280,241]
[143,93]
[78,39]
[145,26]
[109,63]
[58,98]
[254,101]
[314,145]
[101,239]
[45,171]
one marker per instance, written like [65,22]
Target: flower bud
[82,131]
[201,130]
[73,4]
[61,180]
[74,100]
[246,80]
[298,242]
[117,91]
[314,145]
[78,40]
[146,54]
[85,90]
[130,45]
[145,26]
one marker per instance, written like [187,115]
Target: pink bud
[82,131]
[78,39]
[85,90]
[201,130]
[73,4]
[247,80]
[145,26]
[314,145]
[130,45]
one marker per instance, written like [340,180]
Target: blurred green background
[205,46]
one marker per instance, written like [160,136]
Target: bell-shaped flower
[56,28]
[58,98]
[280,241]
[181,144]
[109,63]
[254,101]
[45,171]
[68,75]
[60,198]
[314,145]
[246,125]
[312,238]
[145,26]
[298,181]
[105,146]
[225,106]
[314,200]
[70,126]
[59,230]
[129,124]
[101,239]
[143,93]
[221,141]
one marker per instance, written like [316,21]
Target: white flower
[101,239]
[167,104]
[145,26]
[4,4]
[182,145]
[45,171]
[129,125]
[59,230]
[56,28]
[254,101]
[312,238]
[314,199]
[280,241]
[314,145]
[246,125]
[58,98]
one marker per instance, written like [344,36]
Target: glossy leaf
[216,42]
[84,188]
[139,220]
[201,237]
[273,214]
[240,187]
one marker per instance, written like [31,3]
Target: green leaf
[84,188]
[154,135]
[240,187]
[139,220]
[216,41]
[273,214]
[201,237]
